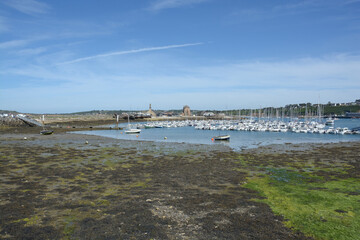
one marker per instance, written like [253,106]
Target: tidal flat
[71,186]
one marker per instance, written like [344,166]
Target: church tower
[151,112]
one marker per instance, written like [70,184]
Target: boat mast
[128,121]
[319,110]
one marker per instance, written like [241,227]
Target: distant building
[292,106]
[303,105]
[209,114]
[142,115]
[167,114]
[186,111]
[151,112]
[357,101]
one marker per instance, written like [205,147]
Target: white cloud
[30,7]
[297,5]
[129,52]
[169,83]
[164,4]
[340,71]
[14,43]
[32,51]
[291,9]
[22,42]
[351,1]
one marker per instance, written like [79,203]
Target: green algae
[69,226]
[127,165]
[316,208]
[34,220]
[314,191]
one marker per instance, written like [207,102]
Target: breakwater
[9,121]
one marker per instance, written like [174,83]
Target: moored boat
[133,131]
[329,121]
[222,137]
[46,132]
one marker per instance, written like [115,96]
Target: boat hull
[133,131]
[222,138]
[46,132]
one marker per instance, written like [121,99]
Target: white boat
[329,121]
[222,137]
[331,130]
[149,125]
[131,130]
[347,131]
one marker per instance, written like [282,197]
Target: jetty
[29,121]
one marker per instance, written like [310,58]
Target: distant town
[300,110]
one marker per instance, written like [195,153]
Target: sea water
[238,139]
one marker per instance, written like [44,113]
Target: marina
[246,133]
[180,119]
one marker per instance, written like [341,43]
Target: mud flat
[72,186]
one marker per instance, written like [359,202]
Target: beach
[74,186]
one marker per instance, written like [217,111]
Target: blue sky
[67,56]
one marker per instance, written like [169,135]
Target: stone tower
[151,112]
[186,111]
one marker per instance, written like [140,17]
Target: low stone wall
[11,122]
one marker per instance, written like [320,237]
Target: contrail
[129,52]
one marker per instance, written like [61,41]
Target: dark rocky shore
[71,186]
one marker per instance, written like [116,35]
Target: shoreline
[74,134]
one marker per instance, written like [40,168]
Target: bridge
[30,121]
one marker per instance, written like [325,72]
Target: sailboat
[131,130]
[330,121]
[44,131]
[221,137]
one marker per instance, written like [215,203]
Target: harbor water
[238,140]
